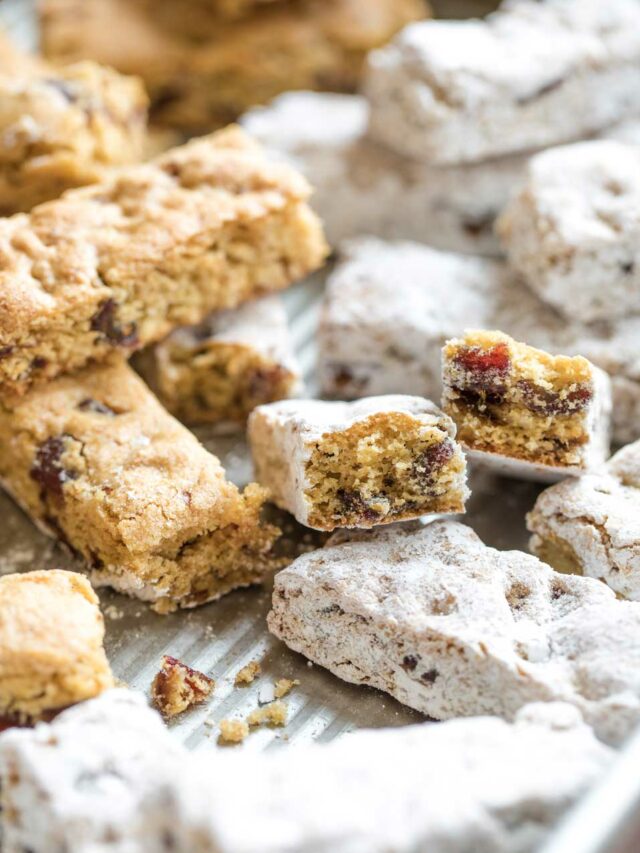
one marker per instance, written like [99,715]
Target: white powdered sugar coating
[574,229]
[389,307]
[107,778]
[598,518]
[453,628]
[529,76]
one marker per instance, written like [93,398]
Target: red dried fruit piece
[431,460]
[106,322]
[177,687]
[545,402]
[47,469]
[354,504]
[483,362]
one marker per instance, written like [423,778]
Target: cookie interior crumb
[273,714]
[284,686]
[233,731]
[177,687]
[248,673]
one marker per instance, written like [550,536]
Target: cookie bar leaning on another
[523,411]
[573,230]
[591,524]
[162,796]
[99,464]
[454,628]
[64,128]
[378,460]
[219,371]
[119,264]
[530,76]
[51,653]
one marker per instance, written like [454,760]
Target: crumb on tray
[233,731]
[274,714]
[284,686]
[177,687]
[248,673]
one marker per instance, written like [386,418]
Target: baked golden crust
[202,72]
[117,265]
[51,652]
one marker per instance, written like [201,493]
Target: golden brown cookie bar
[63,129]
[525,411]
[51,653]
[219,371]
[119,264]
[202,73]
[374,461]
[97,462]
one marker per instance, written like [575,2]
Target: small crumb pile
[284,686]
[273,714]
[177,687]
[248,673]
[233,731]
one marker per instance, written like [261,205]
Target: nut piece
[248,673]
[273,714]
[233,731]
[177,687]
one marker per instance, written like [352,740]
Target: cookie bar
[119,264]
[590,525]
[495,773]
[530,76]
[573,231]
[51,653]
[201,73]
[99,464]
[454,628]
[63,129]
[218,372]
[374,461]
[523,410]
[389,307]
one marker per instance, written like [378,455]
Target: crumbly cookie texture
[119,264]
[524,411]
[201,73]
[590,525]
[51,652]
[247,674]
[64,128]
[374,461]
[530,76]
[361,187]
[98,463]
[219,371]
[233,731]
[496,774]
[452,627]
[177,687]
[389,307]
[573,231]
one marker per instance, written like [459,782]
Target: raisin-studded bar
[51,651]
[119,264]
[374,461]
[523,411]
[98,463]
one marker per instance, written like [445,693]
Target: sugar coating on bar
[520,408]
[99,464]
[219,371]
[591,525]
[51,644]
[530,76]
[108,773]
[573,231]
[119,264]
[453,628]
[389,307]
[374,461]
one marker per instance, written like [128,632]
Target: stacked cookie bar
[205,62]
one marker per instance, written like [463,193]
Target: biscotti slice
[98,463]
[51,652]
[454,628]
[495,773]
[63,128]
[202,73]
[374,461]
[524,411]
[119,264]
[573,231]
[591,525]
[219,371]
[530,76]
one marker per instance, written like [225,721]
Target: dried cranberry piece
[409,663]
[431,460]
[105,321]
[545,402]
[478,398]
[430,676]
[354,503]
[485,369]
[5,352]
[47,469]
[95,407]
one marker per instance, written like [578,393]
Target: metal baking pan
[221,637]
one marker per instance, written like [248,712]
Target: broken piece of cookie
[177,687]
